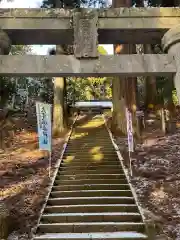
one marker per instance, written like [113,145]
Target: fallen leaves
[156,179]
[24,175]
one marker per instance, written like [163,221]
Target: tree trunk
[59,121]
[170,122]
[118,115]
[176,3]
[172,3]
[139,3]
[131,95]
[118,84]
[59,108]
[119,103]
[151,91]
[122,86]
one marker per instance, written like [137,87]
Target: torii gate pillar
[5,43]
[171,45]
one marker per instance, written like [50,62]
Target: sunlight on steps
[91,197]
[79,135]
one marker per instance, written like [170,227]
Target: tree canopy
[73,3]
[7,84]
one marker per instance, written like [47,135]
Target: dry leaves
[156,168]
[24,175]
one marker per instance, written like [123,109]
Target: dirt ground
[24,173]
[156,179]
[24,177]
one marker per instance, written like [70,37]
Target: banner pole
[130,164]
[50,161]
[129,138]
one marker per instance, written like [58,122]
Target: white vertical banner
[129,131]
[130,136]
[43,112]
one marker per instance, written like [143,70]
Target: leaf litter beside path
[24,174]
[156,179]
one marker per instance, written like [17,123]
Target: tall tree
[59,106]
[150,82]
[159,91]
[8,84]
[122,96]
[74,3]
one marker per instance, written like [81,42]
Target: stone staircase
[90,198]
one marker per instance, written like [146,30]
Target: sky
[37,49]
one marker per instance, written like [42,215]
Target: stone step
[91,193]
[90,158]
[94,157]
[80,163]
[81,137]
[90,162]
[91,227]
[91,134]
[91,217]
[68,171]
[92,200]
[88,147]
[93,142]
[100,134]
[92,236]
[90,151]
[96,167]
[90,181]
[90,176]
[91,208]
[90,138]
[87,155]
[91,187]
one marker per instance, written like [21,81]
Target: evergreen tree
[8,84]
[74,3]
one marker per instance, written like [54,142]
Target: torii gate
[85,28]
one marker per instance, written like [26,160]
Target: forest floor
[24,177]
[24,173]
[156,179]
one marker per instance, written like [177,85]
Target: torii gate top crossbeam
[122,25]
[63,66]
